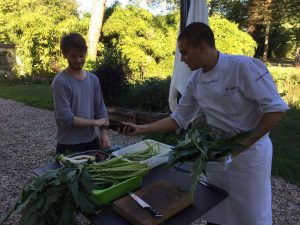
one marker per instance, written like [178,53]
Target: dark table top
[205,197]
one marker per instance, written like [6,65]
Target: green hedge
[287,80]
[148,95]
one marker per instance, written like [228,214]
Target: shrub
[288,84]
[36,28]
[147,95]
[230,39]
[112,77]
[147,42]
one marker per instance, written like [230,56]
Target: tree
[95,27]
[259,22]
[233,10]
[285,30]
[230,39]
[147,43]
[274,24]
[169,4]
[36,27]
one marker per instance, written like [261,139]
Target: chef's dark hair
[197,32]
[73,41]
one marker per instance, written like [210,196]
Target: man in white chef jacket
[236,93]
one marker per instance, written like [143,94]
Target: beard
[76,66]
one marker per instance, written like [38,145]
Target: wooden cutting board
[163,196]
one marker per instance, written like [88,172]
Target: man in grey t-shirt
[78,102]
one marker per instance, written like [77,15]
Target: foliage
[283,40]
[54,198]
[169,5]
[148,95]
[255,15]
[230,39]
[112,77]
[148,43]
[287,10]
[202,145]
[233,10]
[145,41]
[288,83]
[36,27]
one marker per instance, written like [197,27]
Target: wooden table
[205,197]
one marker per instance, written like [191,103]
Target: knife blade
[210,186]
[145,205]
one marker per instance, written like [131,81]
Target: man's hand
[129,128]
[266,123]
[101,122]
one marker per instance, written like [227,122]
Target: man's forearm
[164,125]
[81,122]
[267,122]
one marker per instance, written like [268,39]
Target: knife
[210,186]
[145,205]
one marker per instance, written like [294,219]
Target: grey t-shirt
[80,98]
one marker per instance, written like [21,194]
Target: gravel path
[27,140]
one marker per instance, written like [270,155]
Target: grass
[285,137]
[286,141]
[36,95]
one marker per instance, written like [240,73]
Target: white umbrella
[198,12]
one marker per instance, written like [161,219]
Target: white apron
[247,179]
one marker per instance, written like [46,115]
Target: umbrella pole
[184,10]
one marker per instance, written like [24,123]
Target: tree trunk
[266,45]
[259,25]
[95,27]
[268,21]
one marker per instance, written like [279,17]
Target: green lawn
[285,137]
[36,95]
[286,142]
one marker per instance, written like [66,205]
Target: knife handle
[154,212]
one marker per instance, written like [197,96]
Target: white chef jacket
[233,96]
